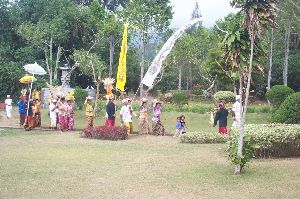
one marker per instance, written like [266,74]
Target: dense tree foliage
[58,32]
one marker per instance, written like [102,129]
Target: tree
[258,15]
[91,65]
[151,15]
[49,33]
[290,12]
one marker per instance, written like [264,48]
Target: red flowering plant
[106,133]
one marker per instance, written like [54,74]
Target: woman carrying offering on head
[143,118]
[157,126]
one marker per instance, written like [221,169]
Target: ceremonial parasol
[27,79]
[33,69]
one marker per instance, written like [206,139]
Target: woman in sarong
[70,114]
[143,119]
[62,114]
[157,126]
[37,120]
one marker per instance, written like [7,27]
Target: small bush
[289,110]
[80,95]
[249,147]
[277,94]
[106,133]
[180,98]
[203,137]
[226,96]
[274,140]
[168,97]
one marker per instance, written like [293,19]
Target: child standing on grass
[183,124]
[178,128]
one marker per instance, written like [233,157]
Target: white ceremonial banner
[156,65]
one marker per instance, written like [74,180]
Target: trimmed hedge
[225,96]
[106,133]
[274,140]
[180,98]
[289,110]
[203,138]
[277,94]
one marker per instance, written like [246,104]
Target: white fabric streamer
[156,65]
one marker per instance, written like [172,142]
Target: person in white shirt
[236,112]
[8,106]
[53,114]
[126,115]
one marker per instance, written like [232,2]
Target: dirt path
[9,123]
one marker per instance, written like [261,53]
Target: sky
[211,11]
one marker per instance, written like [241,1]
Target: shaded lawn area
[53,165]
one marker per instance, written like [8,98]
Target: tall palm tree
[258,16]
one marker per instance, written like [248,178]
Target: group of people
[222,114]
[30,112]
[127,114]
[61,112]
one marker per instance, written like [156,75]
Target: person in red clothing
[221,116]
[110,112]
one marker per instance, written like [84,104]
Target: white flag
[156,65]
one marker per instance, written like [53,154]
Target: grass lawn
[54,165]
[49,164]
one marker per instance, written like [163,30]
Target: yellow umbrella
[27,79]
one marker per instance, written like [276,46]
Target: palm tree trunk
[244,106]
[57,61]
[97,97]
[143,63]
[190,78]
[287,52]
[271,63]
[180,77]
[111,53]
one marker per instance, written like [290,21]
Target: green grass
[54,165]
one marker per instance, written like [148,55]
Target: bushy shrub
[80,95]
[106,133]
[277,94]
[180,98]
[289,110]
[274,140]
[226,96]
[168,97]
[197,92]
[203,137]
[249,147]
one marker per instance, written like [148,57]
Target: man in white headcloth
[236,112]
[8,106]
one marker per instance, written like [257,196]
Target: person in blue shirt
[28,125]
[178,127]
[22,110]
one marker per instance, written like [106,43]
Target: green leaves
[89,63]
[248,150]
[149,15]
